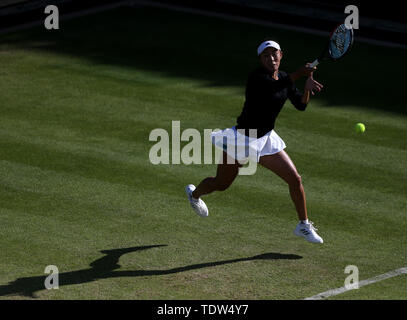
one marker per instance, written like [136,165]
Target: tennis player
[267,90]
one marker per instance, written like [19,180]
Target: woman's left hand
[311,85]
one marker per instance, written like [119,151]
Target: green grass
[77,107]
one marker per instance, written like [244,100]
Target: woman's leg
[225,175]
[281,164]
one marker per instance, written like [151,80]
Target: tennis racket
[339,44]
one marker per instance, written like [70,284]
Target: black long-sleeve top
[265,97]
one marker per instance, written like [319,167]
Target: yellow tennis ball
[360,127]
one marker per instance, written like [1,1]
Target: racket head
[340,42]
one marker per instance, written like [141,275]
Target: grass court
[77,189]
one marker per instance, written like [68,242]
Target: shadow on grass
[104,267]
[218,52]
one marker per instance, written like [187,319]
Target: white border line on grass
[362,283]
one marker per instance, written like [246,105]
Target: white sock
[304,221]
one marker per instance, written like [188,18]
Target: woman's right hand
[307,70]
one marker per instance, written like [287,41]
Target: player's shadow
[105,267]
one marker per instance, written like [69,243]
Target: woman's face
[270,58]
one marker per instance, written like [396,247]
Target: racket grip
[314,64]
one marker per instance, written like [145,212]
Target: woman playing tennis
[267,90]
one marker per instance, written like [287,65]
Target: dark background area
[125,37]
[378,20]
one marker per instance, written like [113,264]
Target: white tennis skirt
[243,148]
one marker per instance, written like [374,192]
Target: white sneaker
[307,230]
[197,204]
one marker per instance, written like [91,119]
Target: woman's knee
[295,180]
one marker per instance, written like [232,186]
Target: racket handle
[314,64]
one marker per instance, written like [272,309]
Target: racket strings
[340,38]
[340,41]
